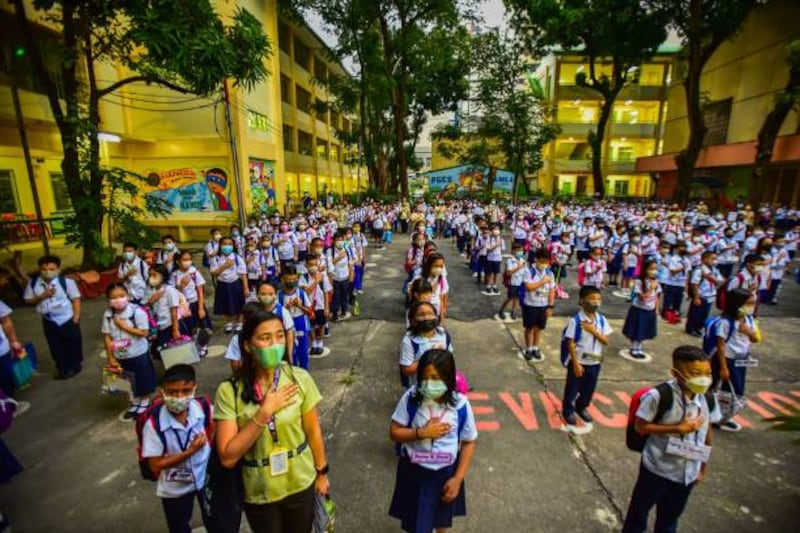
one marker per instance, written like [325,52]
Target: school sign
[468,178]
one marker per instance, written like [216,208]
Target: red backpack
[581,273]
[151,416]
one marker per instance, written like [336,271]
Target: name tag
[592,357]
[431,458]
[279,463]
[688,450]
[750,362]
[179,475]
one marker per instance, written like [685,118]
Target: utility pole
[237,175]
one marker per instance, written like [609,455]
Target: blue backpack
[412,408]
[710,335]
[522,290]
[415,346]
[565,341]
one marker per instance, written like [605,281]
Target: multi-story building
[634,130]
[740,83]
[181,143]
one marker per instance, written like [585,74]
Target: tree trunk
[399,115]
[490,177]
[772,125]
[687,158]
[596,140]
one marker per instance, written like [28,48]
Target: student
[594,269]
[10,347]
[666,479]
[359,243]
[267,301]
[734,348]
[176,445]
[211,249]
[678,267]
[433,270]
[435,429]
[423,334]
[190,282]
[271,263]
[561,251]
[267,413]
[164,302]
[495,246]
[631,258]
[316,285]
[58,301]
[586,355]
[420,290]
[125,329]
[515,275]
[479,268]
[169,252]
[255,266]
[232,290]
[752,277]
[537,305]
[640,322]
[285,242]
[342,274]
[133,272]
[237,239]
[703,285]
[778,261]
[297,302]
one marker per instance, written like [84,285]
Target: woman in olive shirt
[268,419]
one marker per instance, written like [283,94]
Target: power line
[160,110]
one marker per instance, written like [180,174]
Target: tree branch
[147,79]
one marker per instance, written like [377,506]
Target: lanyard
[183,445]
[271,426]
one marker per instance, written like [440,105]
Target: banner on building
[262,183]
[468,178]
[191,190]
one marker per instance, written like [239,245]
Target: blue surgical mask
[226,249]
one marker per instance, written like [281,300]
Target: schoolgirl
[640,322]
[164,303]
[286,243]
[317,286]
[270,263]
[190,282]
[169,252]
[232,290]
[433,270]
[424,333]
[254,262]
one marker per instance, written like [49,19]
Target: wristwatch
[324,470]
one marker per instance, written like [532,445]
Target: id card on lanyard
[431,457]
[686,449]
[182,473]
[279,457]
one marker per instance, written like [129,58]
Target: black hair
[289,270]
[213,231]
[643,277]
[588,290]
[115,285]
[752,258]
[688,354]
[167,236]
[161,269]
[131,245]
[311,257]
[412,311]
[516,246]
[247,372]
[49,259]
[179,373]
[185,252]
[428,264]
[421,285]
[734,300]
[251,308]
[543,253]
[707,253]
[445,366]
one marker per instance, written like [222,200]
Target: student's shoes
[238,328]
[528,355]
[513,316]
[474,274]
[132,413]
[638,354]
[570,420]
[585,416]
[536,356]
[228,328]
[501,316]
[487,291]
[345,316]
[21,408]
[730,425]
[202,351]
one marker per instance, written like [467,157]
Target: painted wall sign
[191,190]
[262,183]
[468,178]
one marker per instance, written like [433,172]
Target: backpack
[62,280]
[722,292]
[412,408]
[415,346]
[710,335]
[634,440]
[522,291]
[151,415]
[565,357]
[582,273]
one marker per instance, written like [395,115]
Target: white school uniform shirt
[340,270]
[541,296]
[254,264]
[633,251]
[707,290]
[738,346]
[654,455]
[212,249]
[519,276]
[57,308]
[791,240]
[780,259]
[646,294]
[408,356]
[440,288]
[597,237]
[138,281]
[588,343]
[678,279]
[728,251]
[233,272]
[745,280]
[318,298]
[286,243]
[581,238]
[178,438]
[161,257]
[520,228]
[446,414]
[561,252]
[133,316]
[594,271]
[650,245]
[161,309]
[695,250]
[497,253]
[195,280]
[5,345]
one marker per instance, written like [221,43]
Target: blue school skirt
[417,500]
[229,298]
[144,375]
[640,324]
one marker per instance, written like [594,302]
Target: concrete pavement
[528,475]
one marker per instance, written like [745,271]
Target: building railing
[19,229]
[579,165]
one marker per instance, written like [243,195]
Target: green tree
[178,44]
[703,26]
[622,33]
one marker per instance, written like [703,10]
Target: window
[625,153]
[321,110]
[334,119]
[621,188]
[345,125]
[288,138]
[322,149]
[15,58]
[302,99]
[302,54]
[577,112]
[334,152]
[717,117]
[60,194]
[284,38]
[8,193]
[320,69]
[286,89]
[304,142]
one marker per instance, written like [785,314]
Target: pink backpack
[462,385]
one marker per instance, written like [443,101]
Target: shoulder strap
[62,280]
[447,340]
[665,399]
[462,419]
[154,416]
[141,268]
[711,401]
[33,280]
[205,405]
[411,409]
[577,320]
[414,345]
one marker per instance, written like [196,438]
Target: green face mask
[270,356]
[432,389]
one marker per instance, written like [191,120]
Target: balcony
[620,166]
[573,165]
[642,130]
[577,129]
[631,92]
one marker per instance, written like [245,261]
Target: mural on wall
[467,178]
[262,183]
[191,190]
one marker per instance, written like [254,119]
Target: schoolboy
[585,355]
[676,452]
[537,305]
[176,444]
[133,272]
[58,301]
[514,275]
[317,286]
[703,283]
[297,302]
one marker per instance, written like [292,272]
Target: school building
[285,141]
[740,82]
[634,130]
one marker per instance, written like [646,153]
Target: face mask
[519,255]
[356,230]
[697,384]
[496,232]
[432,389]
[339,245]
[289,285]
[747,310]
[270,356]
[436,271]
[541,267]
[426,326]
[698,240]
[186,265]
[227,249]
[235,232]
[317,251]
[129,256]
[118,303]
[155,281]
[217,236]
[652,274]
[252,225]
[313,270]
[169,246]
[592,307]
[177,404]
[266,244]
[267,300]
[635,240]
[49,275]
[284,228]
[302,228]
